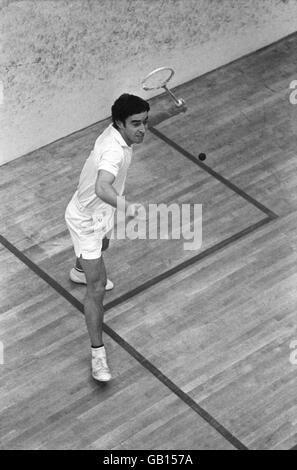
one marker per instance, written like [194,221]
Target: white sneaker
[79,277]
[100,369]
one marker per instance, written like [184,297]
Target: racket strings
[157,79]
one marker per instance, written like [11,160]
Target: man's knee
[96,288]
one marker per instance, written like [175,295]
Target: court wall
[63,62]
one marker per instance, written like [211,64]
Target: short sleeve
[111,160]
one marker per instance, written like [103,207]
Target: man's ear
[120,124]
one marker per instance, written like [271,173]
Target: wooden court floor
[199,342]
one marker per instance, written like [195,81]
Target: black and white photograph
[148,236]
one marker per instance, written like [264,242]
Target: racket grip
[178,102]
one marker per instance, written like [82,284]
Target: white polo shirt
[110,153]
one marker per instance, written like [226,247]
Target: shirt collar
[117,135]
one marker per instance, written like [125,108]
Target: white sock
[98,351]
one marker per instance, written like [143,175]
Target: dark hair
[127,105]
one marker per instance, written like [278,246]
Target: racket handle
[178,102]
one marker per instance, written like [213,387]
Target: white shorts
[87,230]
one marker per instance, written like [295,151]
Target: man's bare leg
[77,275]
[94,314]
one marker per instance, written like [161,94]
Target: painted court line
[137,356]
[213,173]
[133,352]
[165,275]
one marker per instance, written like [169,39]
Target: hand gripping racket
[159,78]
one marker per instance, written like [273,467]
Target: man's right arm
[106,192]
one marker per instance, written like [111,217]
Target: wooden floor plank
[49,401]
[237,339]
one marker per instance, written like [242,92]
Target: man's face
[134,129]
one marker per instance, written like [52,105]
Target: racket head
[158,78]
